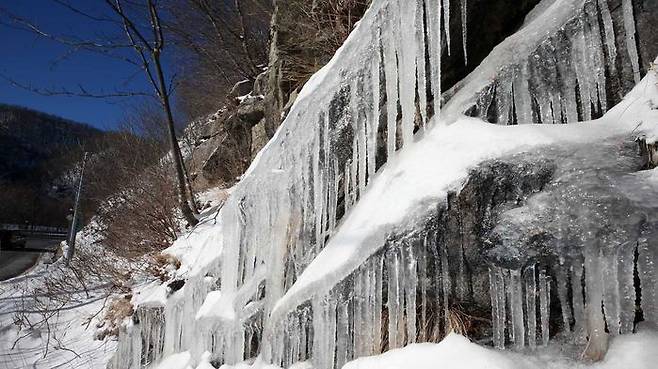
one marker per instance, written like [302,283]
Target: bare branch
[82,92]
[85,14]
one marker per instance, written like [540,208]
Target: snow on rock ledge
[318,201]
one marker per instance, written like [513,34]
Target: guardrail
[32,228]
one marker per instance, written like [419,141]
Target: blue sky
[32,60]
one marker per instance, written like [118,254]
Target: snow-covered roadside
[38,330]
[51,315]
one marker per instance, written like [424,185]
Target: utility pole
[74,222]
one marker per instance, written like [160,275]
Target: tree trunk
[183,200]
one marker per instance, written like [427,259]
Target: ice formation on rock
[242,297]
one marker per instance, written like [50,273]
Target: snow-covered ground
[635,351]
[47,326]
[457,352]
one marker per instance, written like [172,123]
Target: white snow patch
[635,351]
[217,305]
[181,360]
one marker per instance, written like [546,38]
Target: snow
[217,305]
[457,352]
[182,360]
[154,294]
[68,338]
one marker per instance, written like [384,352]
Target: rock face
[223,144]
[589,229]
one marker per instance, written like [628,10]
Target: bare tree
[141,25]
[220,42]
[150,52]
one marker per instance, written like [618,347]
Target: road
[13,263]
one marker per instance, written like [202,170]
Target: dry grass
[120,309]
[163,265]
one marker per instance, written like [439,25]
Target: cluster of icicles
[380,89]
[564,79]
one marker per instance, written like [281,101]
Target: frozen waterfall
[254,289]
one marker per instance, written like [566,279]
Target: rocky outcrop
[223,144]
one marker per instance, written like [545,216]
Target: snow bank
[457,352]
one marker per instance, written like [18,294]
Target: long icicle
[631,45]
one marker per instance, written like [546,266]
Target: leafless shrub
[219,44]
[311,32]
[132,186]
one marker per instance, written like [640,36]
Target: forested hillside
[37,153]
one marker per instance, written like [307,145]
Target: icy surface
[323,212]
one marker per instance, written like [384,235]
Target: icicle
[596,57]
[373,121]
[465,29]
[626,269]
[407,65]
[343,336]
[423,282]
[517,302]
[583,73]
[504,100]
[597,337]
[317,189]
[446,22]
[502,311]
[544,305]
[377,309]
[324,331]
[610,39]
[563,295]
[611,300]
[354,171]
[446,284]
[531,305]
[522,97]
[433,10]
[421,72]
[578,301]
[631,44]
[360,305]
[391,74]
[394,300]
[498,340]
[360,123]
[410,288]
[646,267]
[511,307]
